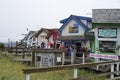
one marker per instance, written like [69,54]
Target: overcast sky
[17,15]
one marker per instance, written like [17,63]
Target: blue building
[75,30]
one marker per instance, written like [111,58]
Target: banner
[104,56]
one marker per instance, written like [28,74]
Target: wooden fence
[75,67]
[25,51]
[32,52]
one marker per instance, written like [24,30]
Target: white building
[41,38]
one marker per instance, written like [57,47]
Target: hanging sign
[107,32]
[74,28]
[58,59]
[104,56]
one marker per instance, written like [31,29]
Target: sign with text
[58,59]
[107,33]
[74,28]
[104,56]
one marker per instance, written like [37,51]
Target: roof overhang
[106,24]
[73,38]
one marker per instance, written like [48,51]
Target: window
[107,46]
[107,32]
[44,61]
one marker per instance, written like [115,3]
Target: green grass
[11,70]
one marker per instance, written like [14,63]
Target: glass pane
[107,46]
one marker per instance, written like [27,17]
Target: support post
[73,53]
[23,55]
[75,73]
[97,67]
[33,56]
[97,60]
[63,58]
[112,70]
[83,58]
[27,76]
[72,57]
[16,46]
[117,68]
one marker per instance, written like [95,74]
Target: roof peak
[80,17]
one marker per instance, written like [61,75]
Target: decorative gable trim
[80,17]
[53,32]
[76,18]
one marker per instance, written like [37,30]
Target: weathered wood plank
[19,51]
[97,75]
[37,50]
[23,60]
[65,67]
[49,50]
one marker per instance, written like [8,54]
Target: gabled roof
[80,17]
[41,30]
[52,31]
[77,19]
[34,34]
[27,36]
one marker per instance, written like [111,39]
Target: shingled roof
[106,15]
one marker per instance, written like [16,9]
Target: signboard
[104,56]
[107,32]
[74,28]
[58,59]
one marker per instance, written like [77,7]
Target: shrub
[2,46]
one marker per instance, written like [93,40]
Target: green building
[106,23]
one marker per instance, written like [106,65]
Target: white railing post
[97,59]
[72,57]
[83,58]
[75,73]
[63,58]
[117,68]
[27,76]
[112,70]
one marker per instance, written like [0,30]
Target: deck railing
[75,67]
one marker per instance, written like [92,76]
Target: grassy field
[11,70]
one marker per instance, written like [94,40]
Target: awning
[71,38]
[89,35]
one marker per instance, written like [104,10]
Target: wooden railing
[75,67]
[25,51]
[17,50]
